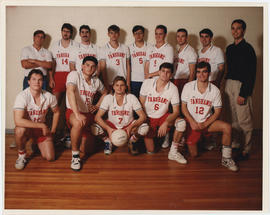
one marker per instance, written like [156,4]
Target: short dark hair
[167,66]
[163,27]
[206,31]
[85,27]
[35,71]
[203,64]
[90,58]
[182,30]
[113,28]
[137,28]
[69,27]
[240,21]
[119,78]
[39,32]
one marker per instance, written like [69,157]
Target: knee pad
[143,129]
[180,125]
[96,130]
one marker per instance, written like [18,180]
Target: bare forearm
[55,121]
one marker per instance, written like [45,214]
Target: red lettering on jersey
[59,55]
[87,93]
[157,99]
[201,101]
[36,112]
[138,54]
[120,112]
[181,60]
[116,54]
[82,56]
[204,59]
[157,55]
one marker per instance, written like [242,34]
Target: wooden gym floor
[124,182]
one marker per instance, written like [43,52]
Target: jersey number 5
[199,110]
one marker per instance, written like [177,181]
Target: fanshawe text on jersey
[116,54]
[87,93]
[157,99]
[120,112]
[36,112]
[157,55]
[82,56]
[201,102]
[59,55]
[181,60]
[204,59]
[139,54]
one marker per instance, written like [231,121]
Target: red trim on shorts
[154,123]
[90,120]
[114,127]
[38,136]
[60,79]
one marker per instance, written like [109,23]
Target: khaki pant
[240,116]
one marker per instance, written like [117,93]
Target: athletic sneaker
[176,156]
[132,148]
[67,142]
[75,163]
[229,163]
[20,163]
[166,142]
[108,148]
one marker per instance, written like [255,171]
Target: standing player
[114,58]
[30,109]
[85,48]
[213,55]
[138,58]
[61,51]
[36,57]
[241,61]
[81,89]
[120,106]
[185,60]
[198,98]
[155,96]
[159,53]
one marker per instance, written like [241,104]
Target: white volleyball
[119,137]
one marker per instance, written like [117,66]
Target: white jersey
[77,55]
[30,52]
[25,101]
[138,58]
[157,56]
[214,56]
[182,61]
[157,104]
[199,105]
[84,93]
[62,55]
[116,60]
[120,116]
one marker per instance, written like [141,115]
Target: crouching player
[198,98]
[155,96]
[120,106]
[30,109]
[81,88]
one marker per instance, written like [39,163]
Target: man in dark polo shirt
[241,65]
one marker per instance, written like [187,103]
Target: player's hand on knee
[82,119]
[194,125]
[201,125]
[162,131]
[93,108]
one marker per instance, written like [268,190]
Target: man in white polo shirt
[30,109]
[114,59]
[156,95]
[81,89]
[36,57]
[159,53]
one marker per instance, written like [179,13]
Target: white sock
[21,153]
[226,151]
[174,146]
[75,153]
